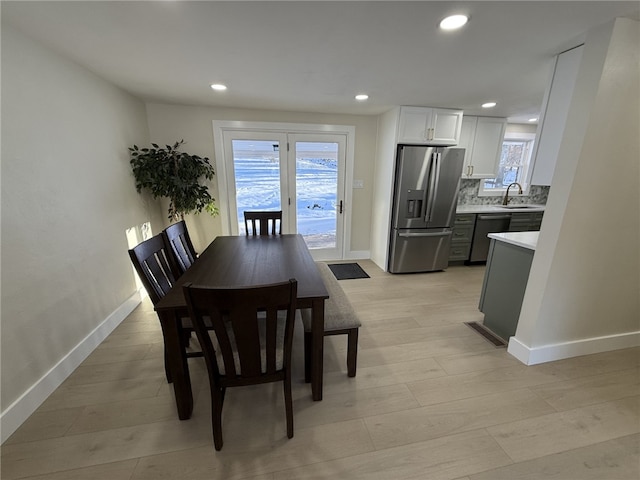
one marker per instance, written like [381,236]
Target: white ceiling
[315,56]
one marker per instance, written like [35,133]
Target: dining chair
[177,240]
[153,263]
[263,222]
[250,341]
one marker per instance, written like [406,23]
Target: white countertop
[521,239]
[500,208]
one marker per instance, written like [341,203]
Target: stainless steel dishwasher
[486,224]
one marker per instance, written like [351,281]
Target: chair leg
[352,352]
[307,357]
[288,404]
[186,338]
[167,372]
[217,399]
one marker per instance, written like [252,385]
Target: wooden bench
[339,319]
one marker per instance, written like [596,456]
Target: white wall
[168,123]
[67,197]
[583,294]
[383,187]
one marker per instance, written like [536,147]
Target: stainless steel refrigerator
[427,181]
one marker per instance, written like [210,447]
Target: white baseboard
[558,351]
[23,407]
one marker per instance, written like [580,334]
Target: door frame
[222,176]
[336,252]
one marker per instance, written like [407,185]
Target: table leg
[317,350]
[178,367]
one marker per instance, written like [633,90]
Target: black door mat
[486,333]
[346,271]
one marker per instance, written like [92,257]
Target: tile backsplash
[468,195]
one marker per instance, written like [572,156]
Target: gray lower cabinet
[465,225]
[461,237]
[505,281]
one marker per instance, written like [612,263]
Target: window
[515,162]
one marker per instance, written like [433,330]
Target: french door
[301,174]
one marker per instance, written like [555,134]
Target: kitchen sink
[519,206]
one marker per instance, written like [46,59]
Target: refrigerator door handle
[437,159]
[430,187]
[424,204]
[426,234]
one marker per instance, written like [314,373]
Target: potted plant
[168,172]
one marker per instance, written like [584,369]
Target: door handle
[340,207]
[433,161]
[438,163]
[494,217]
[429,234]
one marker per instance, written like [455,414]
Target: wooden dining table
[243,261]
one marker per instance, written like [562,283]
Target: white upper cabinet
[467,136]
[435,126]
[482,138]
[555,109]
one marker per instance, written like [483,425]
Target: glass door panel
[256,175]
[256,164]
[317,192]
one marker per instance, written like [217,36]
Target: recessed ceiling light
[453,22]
[362,96]
[533,119]
[489,105]
[218,86]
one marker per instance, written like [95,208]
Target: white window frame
[526,183]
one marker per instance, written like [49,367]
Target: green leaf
[166,172]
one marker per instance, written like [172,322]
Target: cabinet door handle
[429,133]
[495,217]
[471,167]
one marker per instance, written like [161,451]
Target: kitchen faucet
[505,201]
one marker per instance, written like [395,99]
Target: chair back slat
[252,328]
[263,222]
[246,330]
[178,242]
[225,341]
[153,265]
[271,339]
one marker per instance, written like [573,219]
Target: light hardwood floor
[432,400]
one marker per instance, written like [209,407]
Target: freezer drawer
[419,250]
